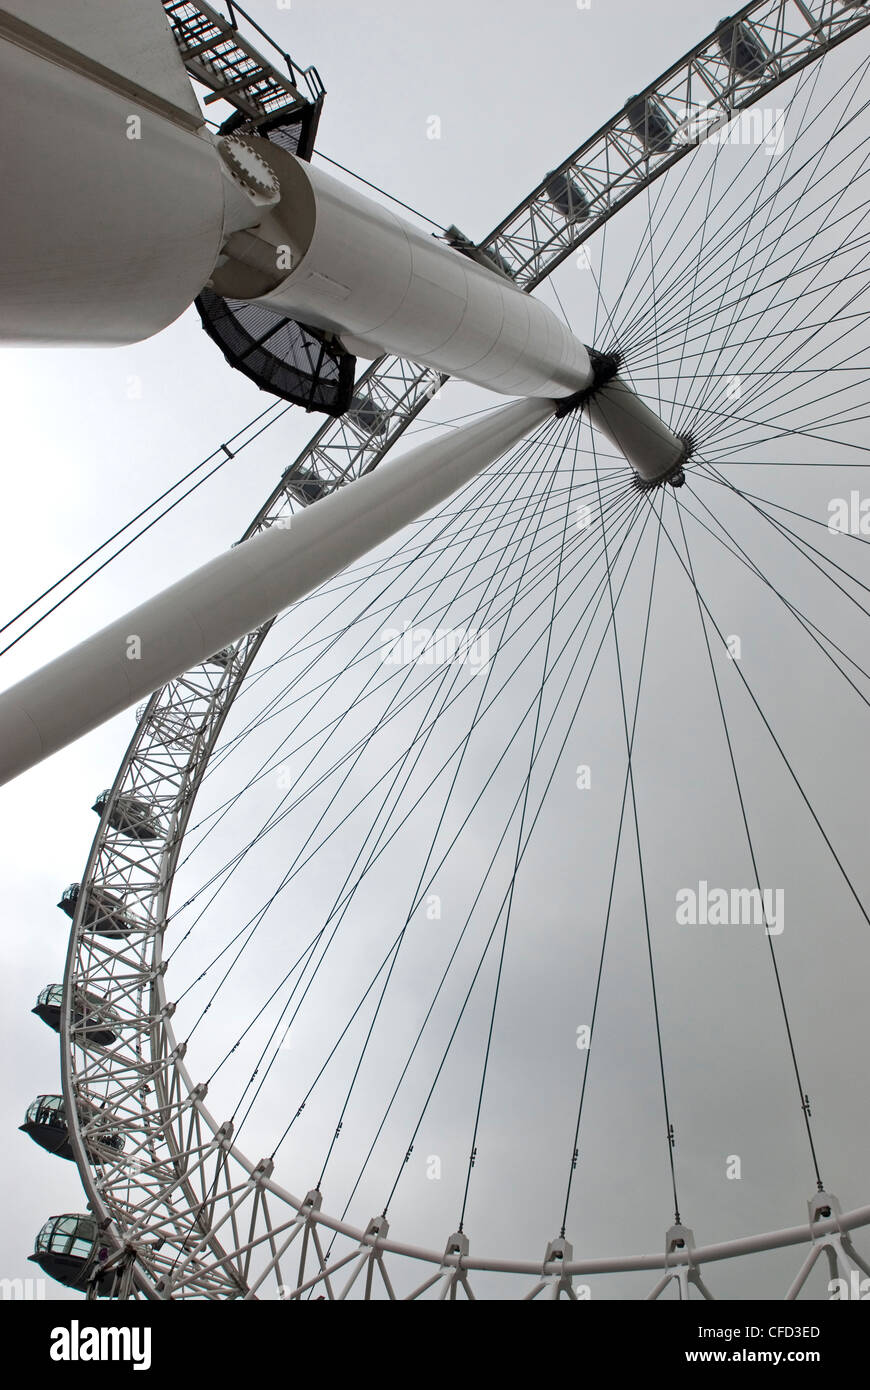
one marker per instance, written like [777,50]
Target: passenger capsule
[744,49]
[67,1249]
[567,197]
[650,124]
[364,411]
[45,1123]
[130,817]
[103,912]
[90,1019]
[306,487]
[221,658]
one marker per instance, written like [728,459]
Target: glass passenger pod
[305,487]
[221,658]
[92,1020]
[567,197]
[743,47]
[367,414]
[131,817]
[67,1249]
[104,914]
[45,1123]
[649,124]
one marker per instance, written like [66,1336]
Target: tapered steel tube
[329,256]
[120,207]
[242,589]
[652,449]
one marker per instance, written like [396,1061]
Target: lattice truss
[180,1207]
[734,69]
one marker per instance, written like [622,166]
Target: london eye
[480,908]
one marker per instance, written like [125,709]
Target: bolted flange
[248,169]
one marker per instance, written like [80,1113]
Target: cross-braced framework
[183,1212]
[757,50]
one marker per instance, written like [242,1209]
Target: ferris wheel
[375,842]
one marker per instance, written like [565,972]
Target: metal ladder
[219,57]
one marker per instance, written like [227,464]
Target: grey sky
[92,435]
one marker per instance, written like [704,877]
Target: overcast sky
[90,436]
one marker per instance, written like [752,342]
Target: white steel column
[329,256]
[242,589]
[115,199]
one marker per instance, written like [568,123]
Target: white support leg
[242,589]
